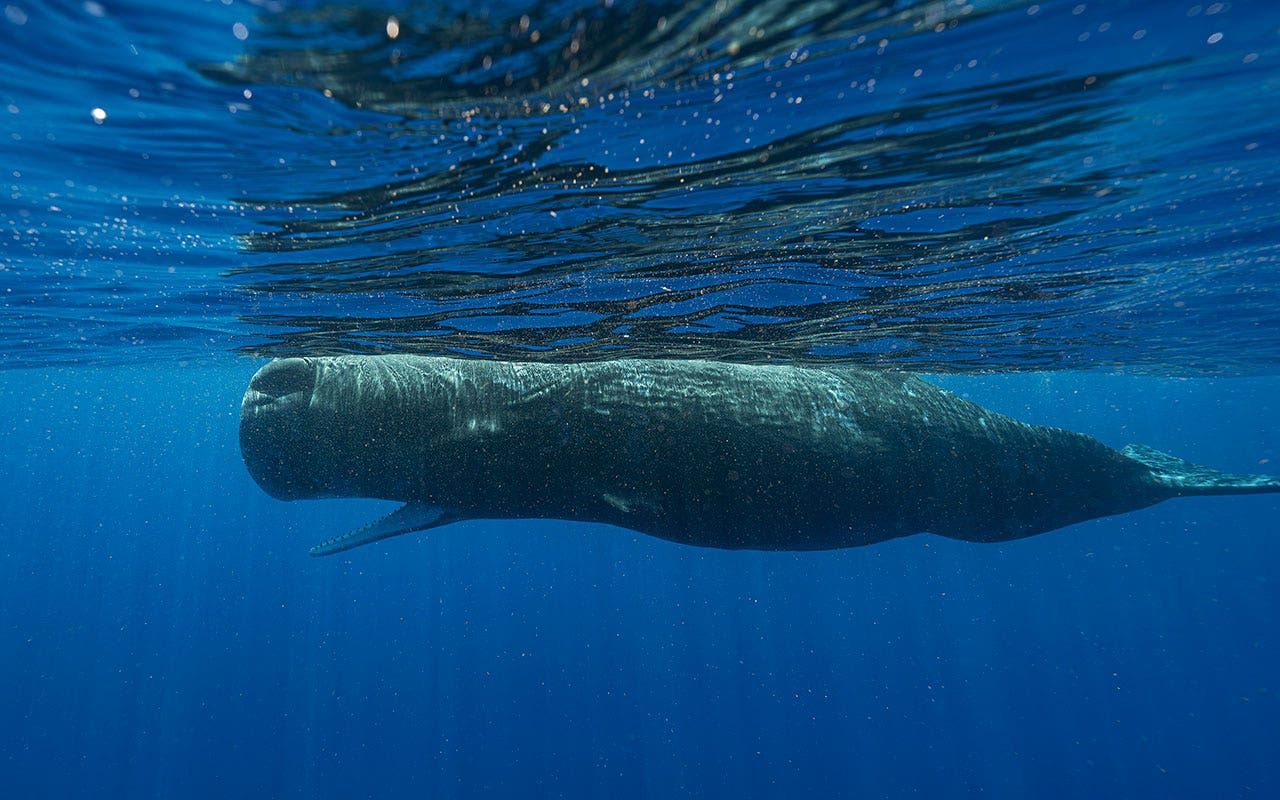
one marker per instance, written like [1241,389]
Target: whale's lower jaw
[406,519]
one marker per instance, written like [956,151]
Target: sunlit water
[1083,191]
[950,186]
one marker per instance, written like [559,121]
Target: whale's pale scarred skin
[705,453]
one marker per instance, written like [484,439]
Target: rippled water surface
[946,185]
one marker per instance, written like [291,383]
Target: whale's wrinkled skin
[705,453]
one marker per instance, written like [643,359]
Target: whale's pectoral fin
[405,519]
[1186,478]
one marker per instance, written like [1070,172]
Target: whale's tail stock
[1186,479]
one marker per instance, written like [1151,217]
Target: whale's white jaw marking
[258,403]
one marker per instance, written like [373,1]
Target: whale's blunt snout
[283,385]
[274,433]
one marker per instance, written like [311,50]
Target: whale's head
[281,436]
[320,427]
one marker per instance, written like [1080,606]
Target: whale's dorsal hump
[405,519]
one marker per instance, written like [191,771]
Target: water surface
[947,186]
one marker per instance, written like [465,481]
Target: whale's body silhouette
[705,453]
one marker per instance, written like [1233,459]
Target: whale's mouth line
[258,403]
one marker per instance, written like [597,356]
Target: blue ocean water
[1065,211]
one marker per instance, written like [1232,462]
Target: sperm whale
[700,452]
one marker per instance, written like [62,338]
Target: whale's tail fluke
[1186,479]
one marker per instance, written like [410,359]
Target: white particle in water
[240,31]
[99,116]
[15,15]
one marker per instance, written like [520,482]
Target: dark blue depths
[166,635]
